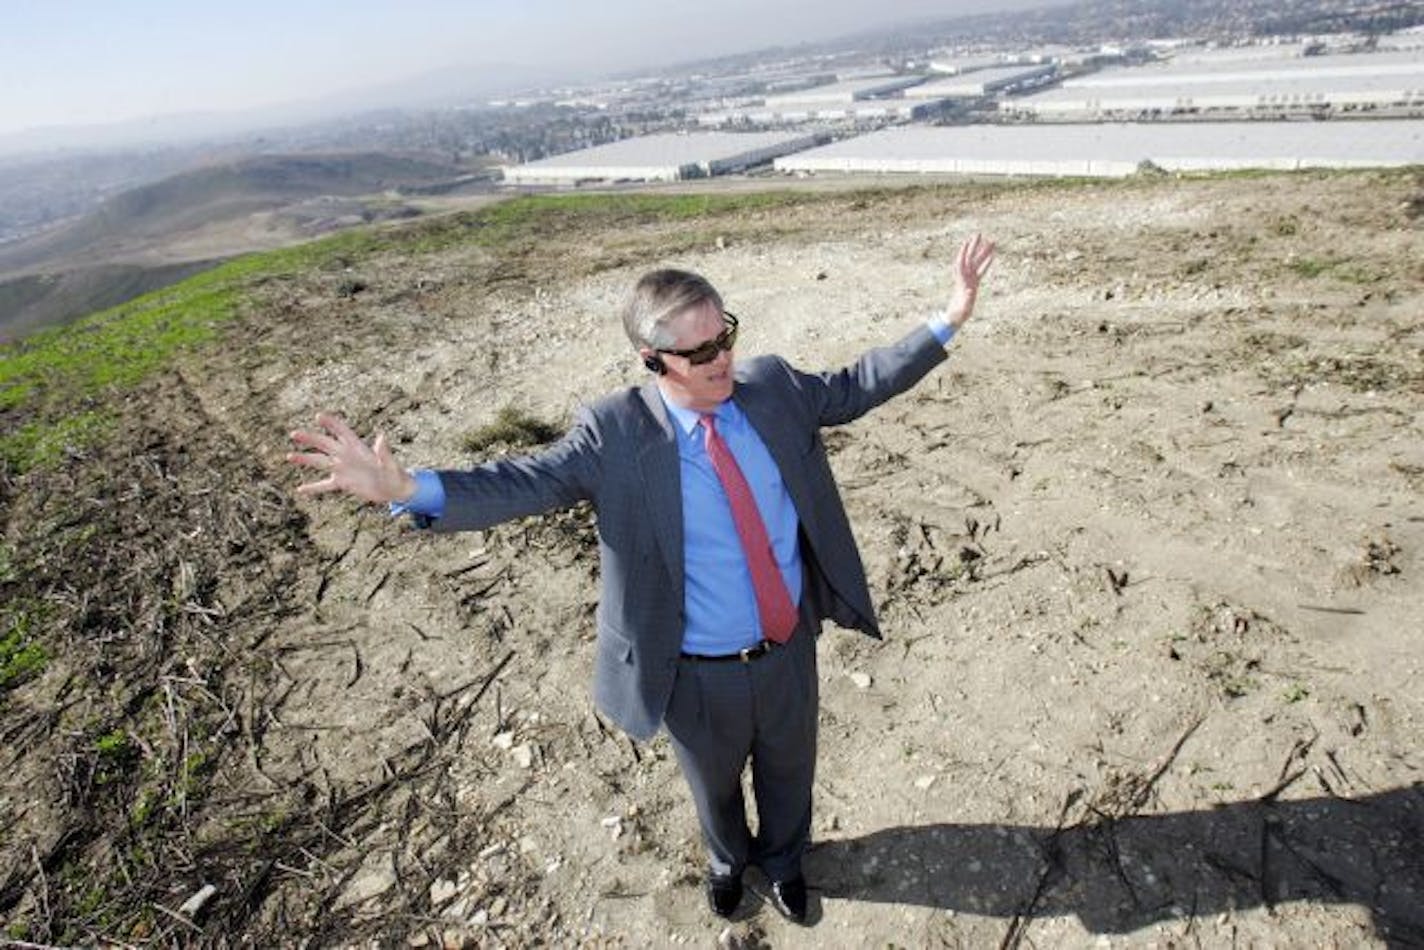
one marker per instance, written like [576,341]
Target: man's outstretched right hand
[369,472]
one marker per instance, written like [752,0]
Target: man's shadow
[1120,874]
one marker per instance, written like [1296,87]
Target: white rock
[924,782]
[195,903]
[504,740]
[442,890]
[523,755]
[861,680]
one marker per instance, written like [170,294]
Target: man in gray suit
[723,545]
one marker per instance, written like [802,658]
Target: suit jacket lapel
[662,481]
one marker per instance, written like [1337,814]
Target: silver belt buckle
[746,653]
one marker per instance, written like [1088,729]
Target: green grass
[512,428]
[113,745]
[44,444]
[1309,267]
[21,658]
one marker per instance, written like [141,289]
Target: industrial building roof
[1396,63]
[664,157]
[848,91]
[1114,150]
[958,65]
[978,83]
[794,111]
[1383,88]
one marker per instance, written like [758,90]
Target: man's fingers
[985,259]
[322,443]
[975,256]
[310,459]
[319,488]
[337,426]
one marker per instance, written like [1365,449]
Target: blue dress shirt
[720,603]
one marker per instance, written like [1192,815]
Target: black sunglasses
[707,352]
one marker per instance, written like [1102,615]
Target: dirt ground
[1148,554]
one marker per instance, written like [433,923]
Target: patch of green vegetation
[1341,269]
[117,756]
[1309,267]
[44,444]
[1295,693]
[142,809]
[512,428]
[21,657]
[91,900]
[8,570]
[113,745]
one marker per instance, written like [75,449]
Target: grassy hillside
[148,237]
[30,303]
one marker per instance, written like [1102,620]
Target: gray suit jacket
[621,455]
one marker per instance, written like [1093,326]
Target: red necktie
[774,606]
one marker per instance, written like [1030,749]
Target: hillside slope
[150,236]
[1148,553]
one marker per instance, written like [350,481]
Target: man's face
[699,388]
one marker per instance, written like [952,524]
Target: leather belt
[743,656]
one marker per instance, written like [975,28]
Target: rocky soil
[1149,554]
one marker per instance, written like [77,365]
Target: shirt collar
[688,419]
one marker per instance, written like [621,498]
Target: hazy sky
[66,62]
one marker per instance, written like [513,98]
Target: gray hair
[657,299]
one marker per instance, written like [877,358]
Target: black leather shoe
[789,897]
[724,893]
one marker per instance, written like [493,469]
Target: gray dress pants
[723,713]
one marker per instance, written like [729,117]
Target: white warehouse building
[1316,85]
[670,156]
[791,113]
[854,90]
[1117,150]
[983,82]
